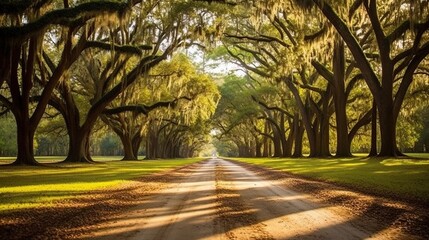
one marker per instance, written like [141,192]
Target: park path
[222,200]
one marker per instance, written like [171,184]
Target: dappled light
[390,176]
[37,186]
[204,119]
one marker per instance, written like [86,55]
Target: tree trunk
[151,144]
[137,139]
[258,146]
[343,146]
[387,126]
[80,150]
[286,149]
[324,124]
[277,144]
[324,137]
[299,134]
[25,143]
[128,147]
[373,151]
[20,93]
[317,151]
[266,145]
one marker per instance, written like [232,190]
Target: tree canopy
[317,76]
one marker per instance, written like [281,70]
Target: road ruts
[222,200]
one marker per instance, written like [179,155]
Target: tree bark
[277,144]
[387,125]
[373,151]
[136,141]
[25,143]
[266,140]
[343,144]
[128,147]
[26,128]
[80,151]
[324,124]
[298,135]
[286,146]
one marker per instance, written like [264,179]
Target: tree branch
[143,109]
[322,70]
[119,48]
[20,6]
[63,17]
[271,108]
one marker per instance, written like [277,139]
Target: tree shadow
[150,206]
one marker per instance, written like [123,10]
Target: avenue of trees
[323,74]
[92,61]
[320,76]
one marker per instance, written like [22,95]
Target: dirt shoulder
[397,217]
[70,218]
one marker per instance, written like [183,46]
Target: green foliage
[225,148]
[109,145]
[8,146]
[275,41]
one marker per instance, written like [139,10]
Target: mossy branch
[118,48]
[218,1]
[263,104]
[317,35]
[143,109]
[15,7]
[64,17]
[322,70]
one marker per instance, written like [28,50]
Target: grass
[54,159]
[23,187]
[404,178]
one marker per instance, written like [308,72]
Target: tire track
[234,215]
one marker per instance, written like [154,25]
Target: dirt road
[222,200]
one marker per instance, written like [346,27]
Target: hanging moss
[65,17]
[119,48]
[16,7]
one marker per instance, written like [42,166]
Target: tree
[182,131]
[22,37]
[236,118]
[271,49]
[110,77]
[400,41]
[388,42]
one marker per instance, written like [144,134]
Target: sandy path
[222,200]
[186,210]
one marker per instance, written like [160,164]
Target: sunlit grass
[407,178]
[24,187]
[53,159]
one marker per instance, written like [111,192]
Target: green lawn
[404,178]
[28,187]
[53,159]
